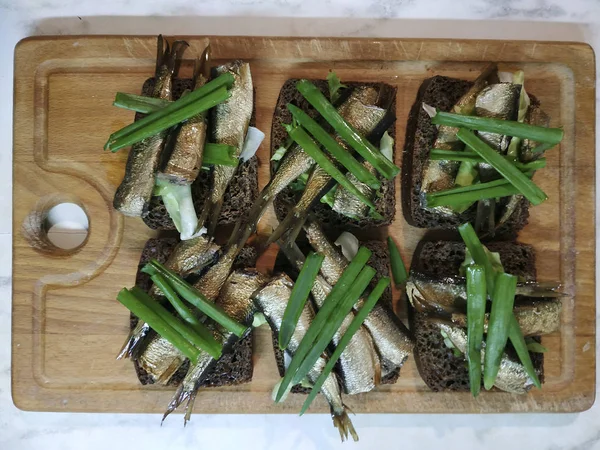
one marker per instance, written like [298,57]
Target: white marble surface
[499,19]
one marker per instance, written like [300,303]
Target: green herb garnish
[298,297]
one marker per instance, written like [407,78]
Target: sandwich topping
[329,306]
[483,149]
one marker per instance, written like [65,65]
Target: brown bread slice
[442,93]
[380,262]
[234,367]
[329,219]
[239,196]
[438,366]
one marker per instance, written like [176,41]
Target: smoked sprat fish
[272,301]
[135,191]
[295,162]
[440,175]
[389,335]
[184,163]
[236,300]
[361,112]
[538,314]
[358,366]
[512,376]
[230,121]
[187,257]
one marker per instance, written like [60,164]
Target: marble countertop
[575,20]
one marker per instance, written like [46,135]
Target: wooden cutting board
[67,325]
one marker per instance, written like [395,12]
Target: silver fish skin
[358,366]
[347,203]
[512,376]
[447,298]
[272,301]
[440,175]
[212,281]
[160,360]
[135,191]
[190,256]
[535,116]
[451,291]
[230,123]
[536,318]
[236,300]
[499,101]
[390,336]
[184,163]
[187,256]
[360,112]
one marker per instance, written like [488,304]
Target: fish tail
[173,60]
[201,65]
[485,220]
[169,55]
[180,396]
[344,425]
[162,47]
[213,211]
[293,222]
[189,407]
[132,346]
[250,222]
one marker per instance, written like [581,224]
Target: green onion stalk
[519,180]
[191,295]
[200,100]
[359,143]
[524,102]
[321,320]
[298,297]
[483,258]
[354,326]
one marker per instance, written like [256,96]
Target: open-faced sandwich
[192,144]
[352,349]
[350,184]
[454,128]
[479,307]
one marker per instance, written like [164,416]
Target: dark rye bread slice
[234,367]
[438,366]
[442,93]
[380,262]
[239,196]
[329,219]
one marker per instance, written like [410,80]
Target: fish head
[334,263]
[500,100]
[272,299]
[435,295]
[454,337]
[236,294]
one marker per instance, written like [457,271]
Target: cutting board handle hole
[57,226]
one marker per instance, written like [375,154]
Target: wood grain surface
[67,325]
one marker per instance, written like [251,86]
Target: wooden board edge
[589,150]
